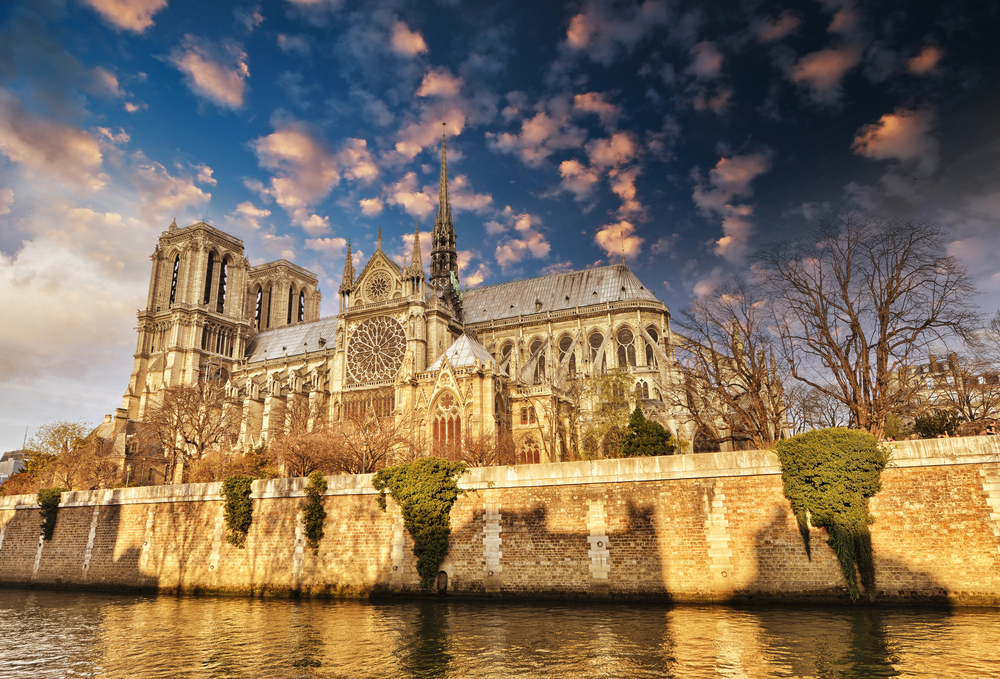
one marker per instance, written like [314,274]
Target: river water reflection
[74,634]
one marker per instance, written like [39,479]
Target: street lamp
[128,473]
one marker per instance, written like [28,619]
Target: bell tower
[195,325]
[444,254]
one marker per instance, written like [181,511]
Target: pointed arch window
[537,351]
[596,340]
[258,308]
[173,280]
[270,289]
[291,301]
[505,352]
[642,390]
[650,353]
[626,348]
[564,346]
[220,305]
[302,305]
[208,277]
[447,427]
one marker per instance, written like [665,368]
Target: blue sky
[682,134]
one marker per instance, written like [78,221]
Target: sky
[680,135]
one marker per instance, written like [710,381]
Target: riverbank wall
[711,527]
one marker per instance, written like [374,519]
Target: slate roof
[463,353]
[292,340]
[556,292]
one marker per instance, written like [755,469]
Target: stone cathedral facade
[498,360]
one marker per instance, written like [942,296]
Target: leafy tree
[313,514]
[425,490]
[238,509]
[610,395]
[646,437]
[858,300]
[937,423]
[828,476]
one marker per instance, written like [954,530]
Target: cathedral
[504,360]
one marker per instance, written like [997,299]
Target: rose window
[379,286]
[376,349]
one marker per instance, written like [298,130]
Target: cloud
[578,178]
[405,194]
[162,194]
[406,42]
[294,43]
[619,149]
[619,238]
[477,277]
[623,185]
[248,216]
[462,197]
[356,161]
[770,30]
[216,73]
[728,180]
[903,135]
[6,200]
[129,15]
[601,30]
[926,62]
[540,137]
[370,206]
[49,147]
[707,62]
[594,102]
[305,171]
[716,102]
[334,247]
[529,241]
[821,72]
[133,108]
[557,267]
[248,18]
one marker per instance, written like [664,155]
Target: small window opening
[208,277]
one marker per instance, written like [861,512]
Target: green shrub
[313,514]
[937,423]
[646,437]
[828,476]
[238,509]
[48,500]
[425,491]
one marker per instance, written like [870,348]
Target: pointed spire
[379,246]
[444,252]
[173,225]
[347,283]
[417,261]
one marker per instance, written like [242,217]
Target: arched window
[270,288]
[537,352]
[650,354]
[223,275]
[447,427]
[642,390]
[258,308]
[173,281]
[302,305]
[208,277]
[564,344]
[505,352]
[596,340]
[291,301]
[530,452]
[626,348]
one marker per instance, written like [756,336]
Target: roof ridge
[551,275]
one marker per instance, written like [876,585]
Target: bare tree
[488,450]
[809,408]
[368,440]
[858,300]
[188,421]
[733,389]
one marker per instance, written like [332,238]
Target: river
[87,634]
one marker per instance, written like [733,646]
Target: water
[74,634]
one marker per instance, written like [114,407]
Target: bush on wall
[48,501]
[313,514]
[425,490]
[238,509]
[828,476]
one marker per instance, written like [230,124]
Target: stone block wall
[709,527]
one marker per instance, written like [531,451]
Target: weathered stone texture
[666,529]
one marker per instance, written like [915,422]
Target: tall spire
[417,261]
[444,255]
[347,283]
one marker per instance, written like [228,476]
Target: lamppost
[128,473]
[364,457]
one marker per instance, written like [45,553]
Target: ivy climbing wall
[709,527]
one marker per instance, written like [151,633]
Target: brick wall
[711,527]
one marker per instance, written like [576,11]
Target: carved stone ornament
[376,349]
[379,286]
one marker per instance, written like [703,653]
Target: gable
[380,280]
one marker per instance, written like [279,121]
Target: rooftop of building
[293,340]
[463,353]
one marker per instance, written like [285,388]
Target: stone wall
[707,527]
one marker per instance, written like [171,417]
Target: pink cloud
[464,198]
[728,180]
[370,206]
[131,15]
[771,30]
[578,179]
[621,148]
[247,215]
[528,242]
[594,102]
[903,135]
[707,61]
[218,74]
[439,82]
[618,239]
[406,42]
[162,194]
[623,185]
[406,195]
[821,72]
[926,61]
[600,30]
[356,161]
[540,137]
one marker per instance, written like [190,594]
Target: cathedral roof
[556,292]
[463,353]
[292,340]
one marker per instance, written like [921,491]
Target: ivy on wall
[48,500]
[828,475]
[313,514]
[238,509]
[425,490]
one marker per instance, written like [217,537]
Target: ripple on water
[66,634]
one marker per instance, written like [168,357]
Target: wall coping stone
[920,453]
